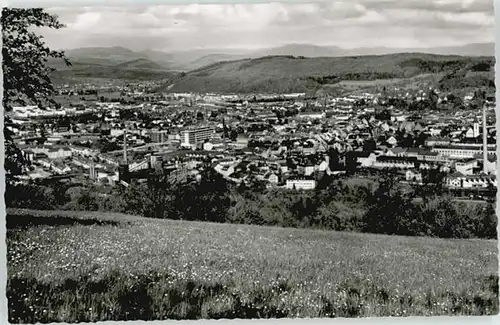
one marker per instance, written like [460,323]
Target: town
[283,140]
[319,160]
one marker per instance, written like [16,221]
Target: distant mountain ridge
[197,58]
[293,67]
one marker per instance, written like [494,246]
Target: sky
[347,24]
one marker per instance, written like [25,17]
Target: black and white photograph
[287,159]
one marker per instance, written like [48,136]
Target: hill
[102,55]
[309,50]
[478,49]
[210,59]
[140,63]
[130,268]
[135,70]
[161,58]
[185,60]
[174,61]
[275,74]
[306,50]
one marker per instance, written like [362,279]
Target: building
[312,115]
[194,136]
[158,136]
[466,166]
[394,162]
[82,151]
[458,180]
[300,184]
[425,155]
[460,151]
[63,152]
[273,179]
[476,132]
[366,160]
[413,176]
[60,168]
[437,141]
[397,151]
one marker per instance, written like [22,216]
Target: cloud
[451,6]
[344,23]
[442,20]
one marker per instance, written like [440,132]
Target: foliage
[25,72]
[151,199]
[29,196]
[207,200]
[347,204]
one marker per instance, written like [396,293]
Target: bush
[29,196]
[343,205]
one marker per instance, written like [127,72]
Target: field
[94,267]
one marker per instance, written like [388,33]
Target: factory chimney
[123,168]
[125,160]
[485,141]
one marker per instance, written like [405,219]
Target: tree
[233,135]
[389,210]
[43,135]
[151,200]
[383,115]
[369,145]
[407,141]
[28,196]
[206,201]
[87,201]
[26,76]
[432,183]
[333,156]
[420,139]
[433,99]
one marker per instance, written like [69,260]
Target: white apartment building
[461,151]
[300,184]
[194,136]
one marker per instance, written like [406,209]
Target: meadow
[83,266]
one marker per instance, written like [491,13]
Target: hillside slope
[102,55]
[109,63]
[297,74]
[246,269]
[135,70]
[140,63]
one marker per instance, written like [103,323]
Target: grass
[126,268]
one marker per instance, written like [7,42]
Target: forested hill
[272,74]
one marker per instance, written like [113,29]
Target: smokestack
[92,170]
[125,160]
[485,141]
